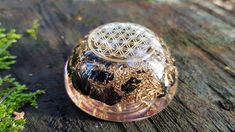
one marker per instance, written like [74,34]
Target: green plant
[13,95]
[33,31]
[6,41]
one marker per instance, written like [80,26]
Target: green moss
[13,95]
[13,98]
[6,41]
[33,31]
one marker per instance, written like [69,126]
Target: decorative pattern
[123,42]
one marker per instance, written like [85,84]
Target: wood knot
[227,105]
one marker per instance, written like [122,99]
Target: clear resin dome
[121,72]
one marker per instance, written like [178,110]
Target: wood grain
[201,37]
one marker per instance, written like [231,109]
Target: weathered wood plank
[201,38]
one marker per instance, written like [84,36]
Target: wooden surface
[201,37]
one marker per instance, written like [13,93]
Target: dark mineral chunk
[129,86]
[140,71]
[108,95]
[108,63]
[101,76]
[80,83]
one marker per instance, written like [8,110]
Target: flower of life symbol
[123,42]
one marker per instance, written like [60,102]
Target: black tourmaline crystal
[129,86]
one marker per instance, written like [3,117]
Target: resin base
[118,112]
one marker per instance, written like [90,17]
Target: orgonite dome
[121,72]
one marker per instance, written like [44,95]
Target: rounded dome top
[123,42]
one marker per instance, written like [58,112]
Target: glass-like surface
[121,72]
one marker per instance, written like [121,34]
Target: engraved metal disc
[122,42]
